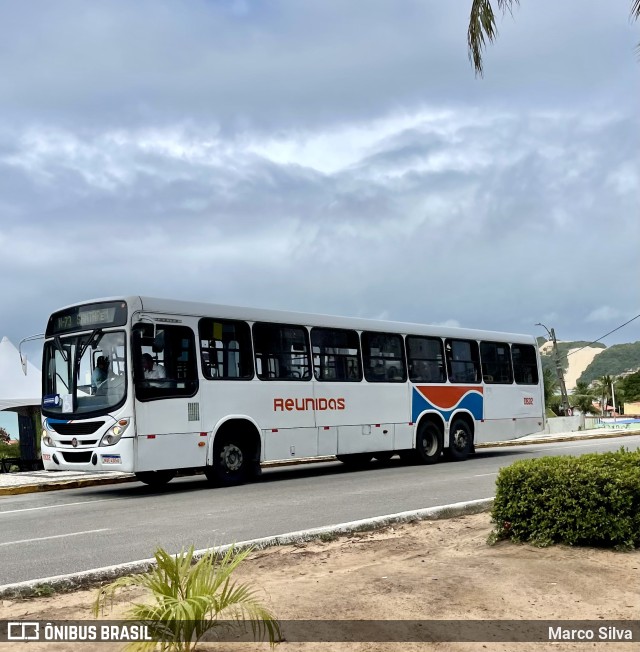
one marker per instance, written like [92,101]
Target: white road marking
[32,509]
[55,536]
[482,475]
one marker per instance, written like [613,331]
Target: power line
[564,356]
[603,336]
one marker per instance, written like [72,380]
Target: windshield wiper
[83,346]
[58,344]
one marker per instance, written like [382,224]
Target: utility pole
[556,353]
[613,400]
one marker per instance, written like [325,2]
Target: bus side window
[281,351]
[172,371]
[383,357]
[336,354]
[425,356]
[225,349]
[525,364]
[496,363]
[463,361]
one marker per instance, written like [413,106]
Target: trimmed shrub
[591,500]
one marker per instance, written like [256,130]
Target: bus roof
[157,305]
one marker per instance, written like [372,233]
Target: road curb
[62,484]
[96,576]
[553,440]
[93,482]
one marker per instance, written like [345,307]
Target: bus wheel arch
[429,439]
[461,436]
[235,457]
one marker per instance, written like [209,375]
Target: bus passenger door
[168,426]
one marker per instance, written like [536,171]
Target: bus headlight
[46,438]
[113,435]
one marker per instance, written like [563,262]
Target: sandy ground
[427,570]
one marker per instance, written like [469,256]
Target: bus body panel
[182,450]
[327,441]
[290,443]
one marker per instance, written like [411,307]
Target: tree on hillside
[615,360]
[603,390]
[4,436]
[582,398]
[630,385]
[482,25]
[551,397]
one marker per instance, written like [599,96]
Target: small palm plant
[190,599]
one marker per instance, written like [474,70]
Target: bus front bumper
[118,457]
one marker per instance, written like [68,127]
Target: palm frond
[190,598]
[482,25]
[106,594]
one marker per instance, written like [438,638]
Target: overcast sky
[323,156]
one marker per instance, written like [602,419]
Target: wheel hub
[231,457]
[460,439]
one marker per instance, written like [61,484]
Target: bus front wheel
[155,478]
[460,441]
[230,463]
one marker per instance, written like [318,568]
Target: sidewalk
[34,481]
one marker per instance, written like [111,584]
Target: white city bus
[231,388]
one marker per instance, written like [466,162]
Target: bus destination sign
[89,317]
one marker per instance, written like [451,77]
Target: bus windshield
[84,373]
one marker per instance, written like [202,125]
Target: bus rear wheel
[429,443]
[230,463]
[155,478]
[460,441]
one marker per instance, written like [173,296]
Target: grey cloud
[287,62]
[259,153]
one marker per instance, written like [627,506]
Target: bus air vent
[194,411]
[83,457]
[81,428]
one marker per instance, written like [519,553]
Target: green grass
[9,450]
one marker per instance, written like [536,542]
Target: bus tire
[230,462]
[460,440]
[155,478]
[355,460]
[429,443]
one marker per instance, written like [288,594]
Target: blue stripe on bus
[472,402]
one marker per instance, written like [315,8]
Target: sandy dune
[579,360]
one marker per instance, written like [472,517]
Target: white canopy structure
[16,389]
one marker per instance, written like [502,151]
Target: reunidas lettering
[302,404]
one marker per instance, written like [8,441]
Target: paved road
[47,534]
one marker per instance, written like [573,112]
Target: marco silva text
[603,633]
